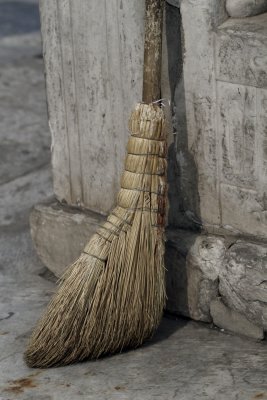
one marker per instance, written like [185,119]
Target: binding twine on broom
[113,296]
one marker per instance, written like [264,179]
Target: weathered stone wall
[218,168]
[217,79]
[225,100]
[214,71]
[216,278]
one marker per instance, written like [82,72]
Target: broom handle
[152,50]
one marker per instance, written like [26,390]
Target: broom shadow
[169,325]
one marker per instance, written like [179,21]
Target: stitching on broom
[92,255]
[154,210]
[103,237]
[158,194]
[113,232]
[143,190]
[122,220]
[146,154]
[141,137]
[144,173]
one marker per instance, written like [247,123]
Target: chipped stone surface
[203,270]
[243,281]
[202,267]
[234,322]
[245,8]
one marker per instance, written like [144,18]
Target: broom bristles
[113,296]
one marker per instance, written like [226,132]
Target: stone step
[200,267]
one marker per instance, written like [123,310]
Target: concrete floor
[184,361]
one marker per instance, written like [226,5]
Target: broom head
[113,296]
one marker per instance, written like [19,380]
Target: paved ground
[185,360]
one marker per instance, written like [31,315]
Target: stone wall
[225,92]
[214,71]
[93,59]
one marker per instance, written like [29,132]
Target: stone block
[202,267]
[193,262]
[204,264]
[243,211]
[245,8]
[60,233]
[243,281]
[241,51]
[233,321]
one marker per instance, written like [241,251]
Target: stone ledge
[60,233]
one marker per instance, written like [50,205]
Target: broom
[113,296]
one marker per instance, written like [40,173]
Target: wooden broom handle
[152,50]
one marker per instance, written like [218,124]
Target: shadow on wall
[184,210]
[17,17]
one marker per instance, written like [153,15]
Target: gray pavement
[184,361]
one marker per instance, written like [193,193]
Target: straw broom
[113,296]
